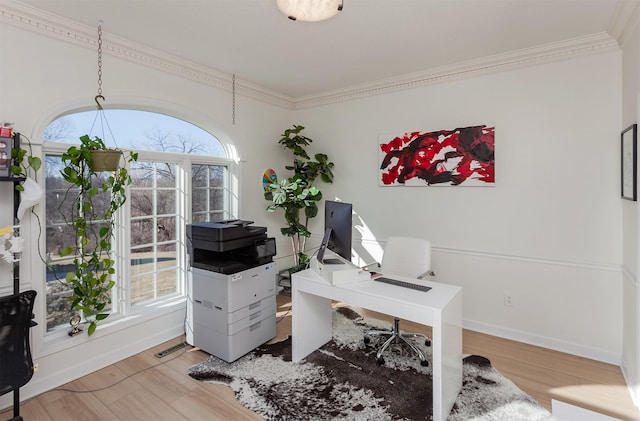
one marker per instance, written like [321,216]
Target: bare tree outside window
[60,130]
[209,193]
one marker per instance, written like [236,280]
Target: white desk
[441,308]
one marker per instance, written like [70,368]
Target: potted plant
[297,195]
[95,196]
[102,158]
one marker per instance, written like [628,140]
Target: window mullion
[183,209]
[123,268]
[154,231]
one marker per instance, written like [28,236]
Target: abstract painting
[458,157]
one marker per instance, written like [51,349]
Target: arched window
[135,129]
[181,176]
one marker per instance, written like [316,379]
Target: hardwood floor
[144,387]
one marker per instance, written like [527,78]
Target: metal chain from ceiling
[99,96]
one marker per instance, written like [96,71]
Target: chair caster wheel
[380,361]
[427,342]
[367,339]
[424,363]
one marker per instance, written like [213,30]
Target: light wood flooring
[144,387]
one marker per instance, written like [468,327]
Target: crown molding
[625,20]
[32,19]
[54,26]
[564,50]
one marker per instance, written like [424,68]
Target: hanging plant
[105,160]
[96,197]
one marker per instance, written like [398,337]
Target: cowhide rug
[342,381]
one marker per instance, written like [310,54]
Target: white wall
[630,215]
[548,232]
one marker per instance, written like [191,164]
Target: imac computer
[337,268]
[337,231]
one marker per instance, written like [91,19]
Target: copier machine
[233,290]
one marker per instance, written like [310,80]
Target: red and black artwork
[458,157]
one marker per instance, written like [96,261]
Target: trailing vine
[23,162]
[96,197]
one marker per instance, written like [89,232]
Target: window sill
[60,340]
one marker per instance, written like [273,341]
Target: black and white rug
[342,381]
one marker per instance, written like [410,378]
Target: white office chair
[408,257]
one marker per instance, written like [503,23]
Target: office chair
[408,257]
[16,364]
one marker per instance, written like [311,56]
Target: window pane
[142,261]
[57,208]
[201,217]
[167,282]
[209,216]
[58,304]
[199,200]
[58,236]
[93,235]
[216,176]
[216,201]
[101,201]
[166,175]
[166,229]
[141,202]
[142,231]
[144,131]
[142,174]
[142,288]
[166,201]
[154,273]
[199,176]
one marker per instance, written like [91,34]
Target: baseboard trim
[632,387]
[544,342]
[566,411]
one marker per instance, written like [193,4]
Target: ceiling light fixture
[309,10]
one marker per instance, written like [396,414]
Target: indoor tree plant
[297,195]
[95,197]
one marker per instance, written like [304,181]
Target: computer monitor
[338,218]
[323,248]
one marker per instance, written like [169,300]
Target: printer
[229,246]
[233,287]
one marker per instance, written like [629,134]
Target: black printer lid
[225,230]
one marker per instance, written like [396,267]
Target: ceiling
[369,41]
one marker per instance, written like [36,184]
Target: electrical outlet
[508,299]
